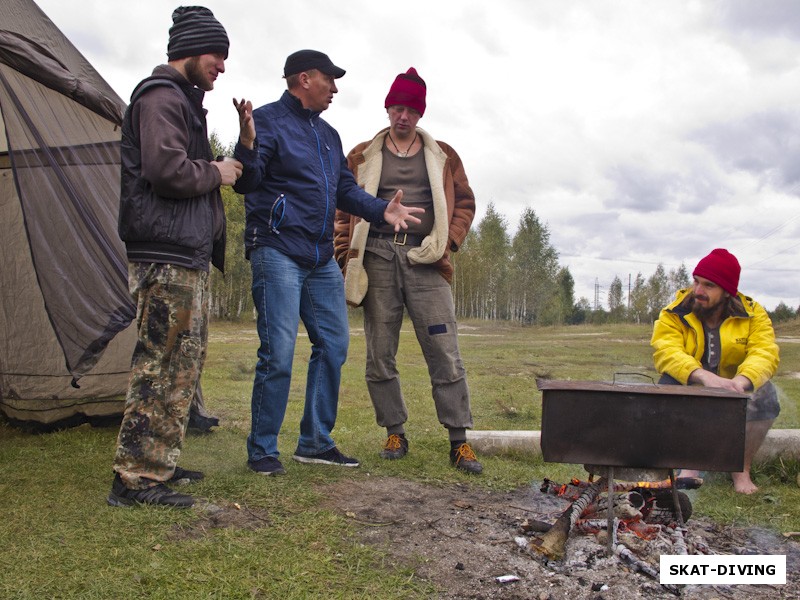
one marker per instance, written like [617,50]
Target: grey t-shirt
[410,175]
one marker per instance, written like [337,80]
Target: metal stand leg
[610,517]
[675,500]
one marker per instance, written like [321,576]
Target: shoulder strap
[196,149]
[155,82]
[145,86]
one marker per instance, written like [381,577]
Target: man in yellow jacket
[712,335]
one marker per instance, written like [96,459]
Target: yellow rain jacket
[747,339]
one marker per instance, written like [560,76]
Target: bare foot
[742,483]
[688,473]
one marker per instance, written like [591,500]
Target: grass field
[60,540]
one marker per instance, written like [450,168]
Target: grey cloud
[765,144]
[765,18]
[639,189]
[645,190]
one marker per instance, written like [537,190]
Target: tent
[65,311]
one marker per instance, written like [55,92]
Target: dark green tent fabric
[64,306]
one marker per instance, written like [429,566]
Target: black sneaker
[463,458]
[396,446]
[329,457]
[184,476]
[159,495]
[269,465]
[200,424]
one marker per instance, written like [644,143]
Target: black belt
[400,239]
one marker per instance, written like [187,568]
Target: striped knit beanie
[195,32]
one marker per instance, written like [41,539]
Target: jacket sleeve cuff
[240,151]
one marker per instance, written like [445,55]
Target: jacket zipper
[327,189]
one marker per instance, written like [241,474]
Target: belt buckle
[398,243]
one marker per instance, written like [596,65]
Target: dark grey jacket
[170,205]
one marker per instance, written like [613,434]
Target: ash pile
[647,519]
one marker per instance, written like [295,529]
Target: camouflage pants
[172,320]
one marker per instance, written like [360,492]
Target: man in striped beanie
[195,32]
[172,221]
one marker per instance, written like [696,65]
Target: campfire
[633,510]
[638,434]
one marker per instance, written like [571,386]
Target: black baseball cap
[306,60]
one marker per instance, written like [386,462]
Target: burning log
[638,528]
[571,490]
[625,507]
[656,504]
[591,525]
[575,487]
[642,508]
[644,531]
[553,543]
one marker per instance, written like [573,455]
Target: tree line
[498,276]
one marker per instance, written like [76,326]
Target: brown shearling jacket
[453,202]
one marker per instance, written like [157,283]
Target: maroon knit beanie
[721,267]
[408,90]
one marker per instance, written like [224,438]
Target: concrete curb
[780,443]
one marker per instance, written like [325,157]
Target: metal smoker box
[642,425]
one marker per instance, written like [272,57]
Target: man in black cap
[294,179]
[172,221]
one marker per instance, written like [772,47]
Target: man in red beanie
[388,273]
[713,335]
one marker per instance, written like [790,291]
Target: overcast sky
[640,132]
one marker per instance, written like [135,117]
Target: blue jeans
[284,292]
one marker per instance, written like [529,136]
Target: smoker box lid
[642,425]
[637,388]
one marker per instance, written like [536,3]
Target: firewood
[553,543]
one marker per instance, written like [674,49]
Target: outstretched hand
[247,128]
[398,215]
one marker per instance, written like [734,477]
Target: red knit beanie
[721,267]
[408,90]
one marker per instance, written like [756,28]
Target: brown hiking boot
[396,446]
[463,458]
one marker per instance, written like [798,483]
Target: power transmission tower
[596,294]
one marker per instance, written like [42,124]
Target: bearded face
[202,71]
[709,298]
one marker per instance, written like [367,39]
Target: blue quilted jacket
[294,180]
